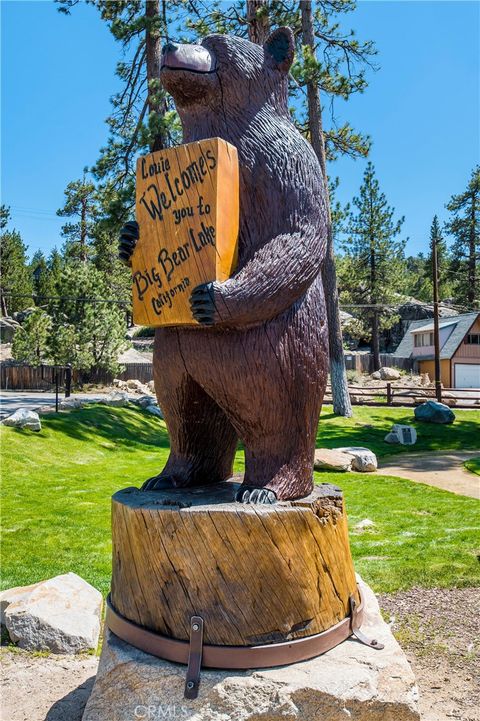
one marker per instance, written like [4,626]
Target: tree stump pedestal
[255,574]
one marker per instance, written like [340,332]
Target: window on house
[473,339]
[423,339]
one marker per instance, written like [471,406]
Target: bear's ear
[280,47]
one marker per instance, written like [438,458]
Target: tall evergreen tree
[377,269]
[464,226]
[16,281]
[443,262]
[99,327]
[81,206]
[30,342]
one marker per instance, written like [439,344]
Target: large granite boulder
[434,412]
[364,460]
[351,681]
[23,418]
[328,459]
[389,374]
[116,398]
[61,615]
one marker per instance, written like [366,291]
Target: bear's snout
[193,58]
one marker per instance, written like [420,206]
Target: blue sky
[421,108]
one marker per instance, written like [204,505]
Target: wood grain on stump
[256,574]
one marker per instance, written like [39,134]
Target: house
[459,349]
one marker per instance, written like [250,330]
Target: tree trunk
[155,98]
[258,25]
[83,232]
[472,260]
[338,374]
[256,574]
[375,341]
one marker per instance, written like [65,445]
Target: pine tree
[443,263]
[377,259]
[81,205]
[464,226]
[99,327]
[31,339]
[16,281]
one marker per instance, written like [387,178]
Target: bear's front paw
[249,494]
[129,236]
[203,304]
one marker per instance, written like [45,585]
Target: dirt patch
[45,688]
[439,631]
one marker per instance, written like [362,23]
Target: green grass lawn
[369,426]
[473,465]
[57,486]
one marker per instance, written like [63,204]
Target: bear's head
[228,74]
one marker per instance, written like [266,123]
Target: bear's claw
[129,236]
[158,483]
[249,494]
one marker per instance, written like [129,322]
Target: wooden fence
[406,395]
[363,362]
[20,377]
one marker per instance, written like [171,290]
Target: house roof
[429,326]
[463,323]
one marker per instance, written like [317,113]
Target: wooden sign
[187,209]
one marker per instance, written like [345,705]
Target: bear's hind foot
[250,494]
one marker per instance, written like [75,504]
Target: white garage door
[467,375]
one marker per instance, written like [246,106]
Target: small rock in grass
[391,438]
[327,459]
[116,398]
[154,410]
[22,418]
[145,401]
[407,435]
[366,523]
[364,460]
[70,403]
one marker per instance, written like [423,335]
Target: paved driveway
[442,469]
[10,401]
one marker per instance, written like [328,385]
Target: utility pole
[436,331]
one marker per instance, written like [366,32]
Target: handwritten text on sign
[187,210]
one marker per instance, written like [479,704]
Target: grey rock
[332,459]
[23,418]
[155,410]
[145,401]
[8,326]
[389,374]
[434,412]
[116,398]
[391,438]
[70,404]
[351,681]
[407,435]
[364,460]
[61,615]
[376,376]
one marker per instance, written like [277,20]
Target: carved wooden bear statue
[255,367]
